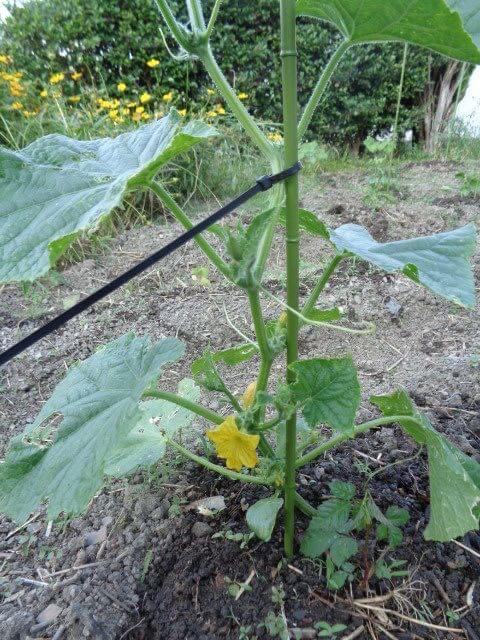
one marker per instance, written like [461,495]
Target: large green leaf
[454,478]
[262,515]
[327,391]
[429,23]
[146,443]
[57,187]
[439,262]
[96,406]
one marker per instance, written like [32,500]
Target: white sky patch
[469,108]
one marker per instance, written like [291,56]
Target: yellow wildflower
[146,116]
[125,111]
[43,93]
[113,113]
[145,97]
[136,117]
[210,92]
[152,63]
[74,99]
[275,136]
[219,109]
[76,75]
[28,114]
[17,75]
[237,448]
[131,105]
[167,97]
[16,89]
[242,96]
[56,78]
[182,112]
[139,109]
[249,395]
[212,114]
[5,59]
[17,105]
[121,86]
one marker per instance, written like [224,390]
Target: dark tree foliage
[110,40]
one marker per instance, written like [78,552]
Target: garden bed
[142,562]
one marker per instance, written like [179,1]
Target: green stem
[195,13]
[304,506]
[399,97]
[176,29]
[182,217]
[320,88]
[259,326]
[320,286]
[357,430]
[213,17]
[223,471]
[290,114]
[209,415]
[236,105]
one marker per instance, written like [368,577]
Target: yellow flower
[139,109]
[5,59]
[212,114]
[274,136]
[76,75]
[182,112]
[43,93]
[28,114]
[249,395]
[210,92]
[242,96]
[17,105]
[145,97]
[219,109]
[74,99]
[152,63]
[237,448]
[16,89]
[56,78]
[167,97]
[17,75]
[121,86]
[146,116]
[125,111]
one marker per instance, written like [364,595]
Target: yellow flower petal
[145,97]
[76,75]
[242,96]
[121,86]
[238,449]
[152,63]
[167,97]
[56,78]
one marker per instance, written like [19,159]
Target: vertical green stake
[290,131]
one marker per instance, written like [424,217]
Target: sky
[468,109]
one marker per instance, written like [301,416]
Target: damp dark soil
[144,562]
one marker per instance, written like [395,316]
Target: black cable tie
[262,184]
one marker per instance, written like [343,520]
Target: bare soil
[140,563]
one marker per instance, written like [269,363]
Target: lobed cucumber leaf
[439,262]
[454,477]
[57,187]
[98,405]
[146,443]
[262,515]
[328,391]
[451,27]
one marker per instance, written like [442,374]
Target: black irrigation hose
[262,184]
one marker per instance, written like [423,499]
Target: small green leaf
[57,187]
[454,477]
[342,490]
[205,372]
[397,515]
[145,444]
[328,391]
[235,355]
[428,23]
[328,525]
[262,515]
[308,222]
[97,403]
[342,549]
[439,262]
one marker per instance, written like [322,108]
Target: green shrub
[110,42]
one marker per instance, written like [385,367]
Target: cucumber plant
[108,417]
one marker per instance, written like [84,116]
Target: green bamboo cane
[289,82]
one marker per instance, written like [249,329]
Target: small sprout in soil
[330,631]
